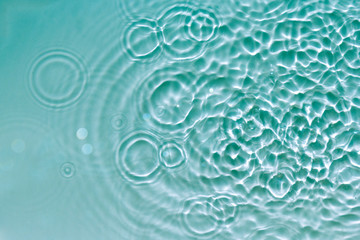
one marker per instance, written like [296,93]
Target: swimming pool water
[166,119]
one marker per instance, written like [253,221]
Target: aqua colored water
[166,119]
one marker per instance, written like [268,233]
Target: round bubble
[118,121]
[186,31]
[198,221]
[67,170]
[165,97]
[279,185]
[142,40]
[137,158]
[87,149]
[201,25]
[81,133]
[172,155]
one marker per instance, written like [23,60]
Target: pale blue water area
[173,120]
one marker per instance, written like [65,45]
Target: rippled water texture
[166,119]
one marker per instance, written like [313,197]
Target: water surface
[172,119]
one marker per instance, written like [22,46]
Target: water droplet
[87,149]
[81,133]
[146,116]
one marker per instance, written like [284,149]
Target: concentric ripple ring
[137,158]
[57,78]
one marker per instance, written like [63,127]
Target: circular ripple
[57,78]
[201,25]
[204,216]
[142,40]
[137,158]
[207,137]
[279,185]
[67,170]
[118,121]
[187,30]
[165,98]
[197,220]
[172,155]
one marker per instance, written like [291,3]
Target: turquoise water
[165,119]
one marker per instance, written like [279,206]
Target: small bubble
[87,149]
[211,90]
[172,155]
[18,145]
[82,133]
[146,116]
[118,121]
[67,170]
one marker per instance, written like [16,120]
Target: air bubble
[172,155]
[87,149]
[137,158]
[67,170]
[81,133]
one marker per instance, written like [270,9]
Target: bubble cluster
[264,96]
[139,155]
[204,216]
[143,40]
[183,31]
[187,30]
[208,120]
